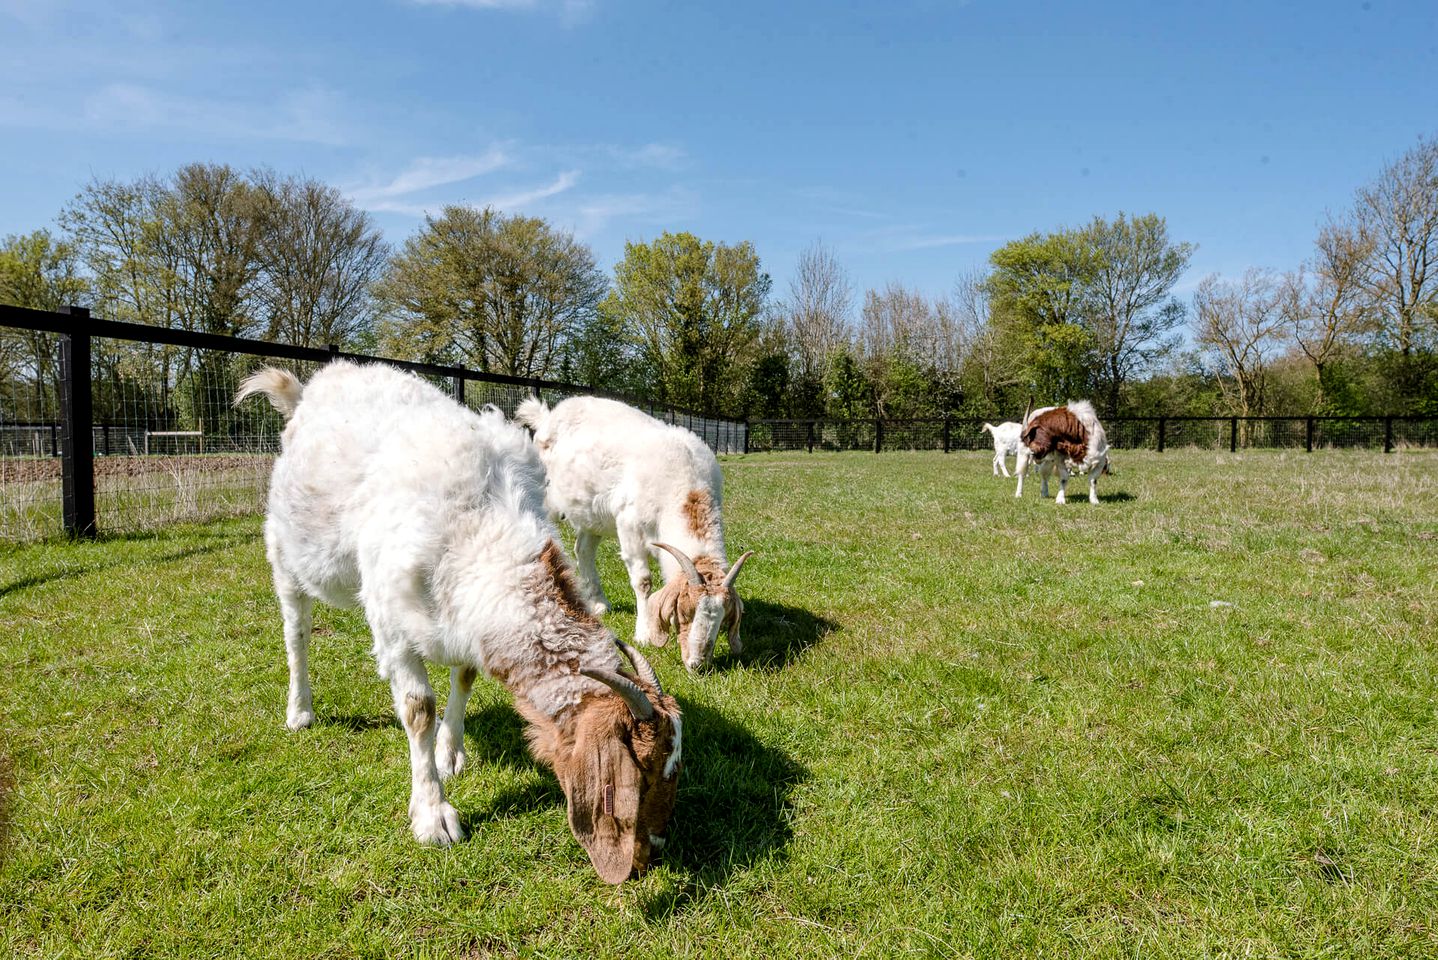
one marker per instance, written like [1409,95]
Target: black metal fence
[119,427]
[1143,433]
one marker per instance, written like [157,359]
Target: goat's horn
[1028,410]
[639,704]
[641,666]
[733,573]
[690,571]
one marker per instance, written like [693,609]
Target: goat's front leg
[297,608]
[1002,465]
[449,748]
[1063,483]
[1045,468]
[1093,485]
[1021,467]
[586,543]
[634,550]
[430,816]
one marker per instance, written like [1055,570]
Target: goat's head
[1056,429]
[619,768]
[697,605]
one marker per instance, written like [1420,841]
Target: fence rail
[1387,433]
[116,427]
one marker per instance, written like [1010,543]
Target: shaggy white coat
[389,495]
[1093,464]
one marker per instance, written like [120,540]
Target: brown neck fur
[1057,429]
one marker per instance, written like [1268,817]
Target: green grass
[964,726]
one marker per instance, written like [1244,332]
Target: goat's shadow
[224,542]
[1118,496]
[733,809]
[774,635]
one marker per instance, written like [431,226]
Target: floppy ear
[603,793]
[666,611]
[731,623]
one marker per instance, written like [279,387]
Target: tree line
[1086,311]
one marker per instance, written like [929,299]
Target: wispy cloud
[305,116]
[426,173]
[570,12]
[513,201]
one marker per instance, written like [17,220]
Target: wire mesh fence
[120,428]
[1131,433]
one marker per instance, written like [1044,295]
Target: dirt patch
[31,471]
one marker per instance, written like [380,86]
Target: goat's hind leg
[586,543]
[297,609]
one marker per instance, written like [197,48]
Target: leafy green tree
[42,273]
[691,309]
[505,294]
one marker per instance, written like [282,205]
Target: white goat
[389,495]
[616,470]
[1006,443]
[1068,439]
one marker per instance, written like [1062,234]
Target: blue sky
[911,136]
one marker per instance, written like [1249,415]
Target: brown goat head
[619,767]
[1056,429]
[697,606]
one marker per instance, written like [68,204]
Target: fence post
[1232,434]
[946,434]
[1162,429]
[77,436]
[809,436]
[1387,434]
[1308,435]
[878,434]
[456,388]
[54,440]
[746,434]
[334,350]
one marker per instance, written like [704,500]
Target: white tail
[281,387]
[531,413]
[988,426]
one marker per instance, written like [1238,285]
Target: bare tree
[1326,311]
[1396,218]
[1241,323]
[817,311]
[319,257]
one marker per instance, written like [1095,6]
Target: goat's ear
[666,612]
[731,623]
[603,792]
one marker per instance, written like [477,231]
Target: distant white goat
[389,495]
[1068,439]
[1006,443]
[614,470]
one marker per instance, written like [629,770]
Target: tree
[501,293]
[1042,291]
[1131,315]
[691,309]
[1240,323]
[1325,311]
[41,273]
[816,312]
[319,257]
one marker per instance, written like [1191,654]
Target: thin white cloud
[930,241]
[303,116]
[569,12]
[513,201]
[426,173]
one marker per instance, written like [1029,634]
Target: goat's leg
[297,608]
[586,543]
[1004,466]
[1093,484]
[1021,467]
[997,462]
[430,815]
[1063,484]
[634,550]
[1045,468]
[449,748]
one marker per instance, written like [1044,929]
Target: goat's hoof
[437,825]
[299,719]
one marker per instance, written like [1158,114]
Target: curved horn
[690,571]
[733,573]
[641,666]
[639,704]
[1028,410]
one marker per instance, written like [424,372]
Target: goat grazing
[616,470]
[389,495]
[1006,443]
[1068,439]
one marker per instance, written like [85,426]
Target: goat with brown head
[697,605]
[1056,429]
[618,760]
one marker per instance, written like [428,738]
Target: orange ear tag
[609,800]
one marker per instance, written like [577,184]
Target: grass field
[1195,720]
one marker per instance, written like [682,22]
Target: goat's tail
[1085,413]
[282,388]
[531,413]
[988,427]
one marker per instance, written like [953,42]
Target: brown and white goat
[1067,439]
[615,470]
[389,495]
